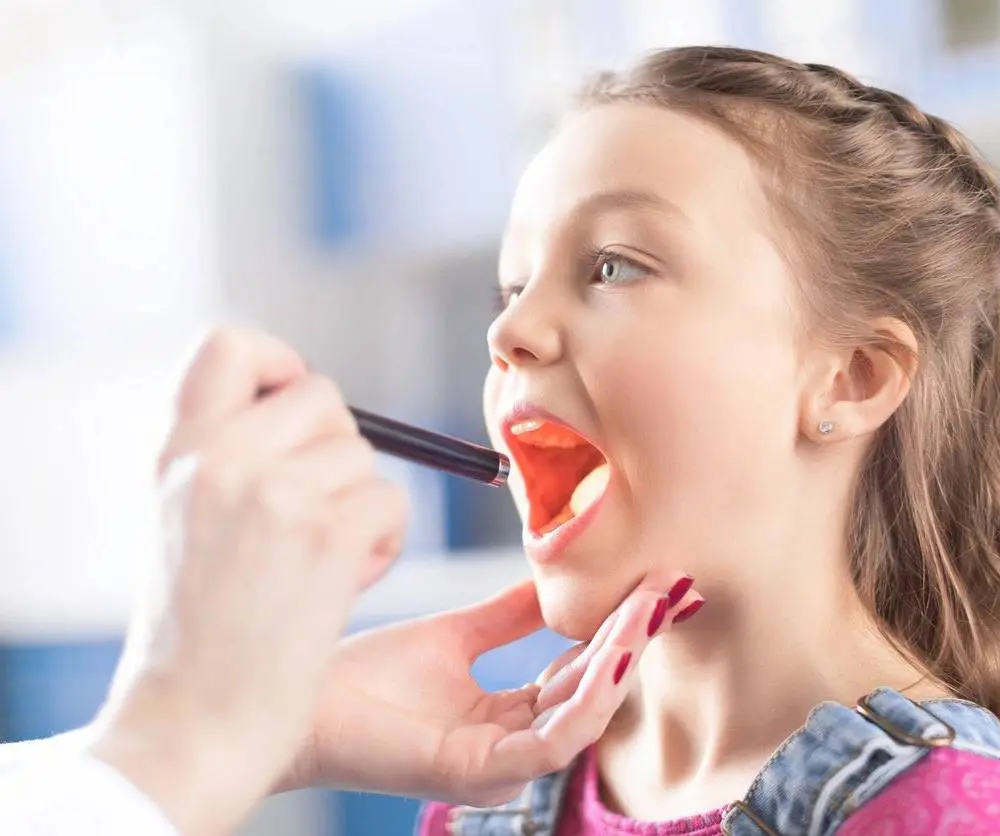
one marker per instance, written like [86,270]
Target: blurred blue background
[338,173]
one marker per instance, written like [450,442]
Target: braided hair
[883,210]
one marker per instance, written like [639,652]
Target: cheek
[697,402]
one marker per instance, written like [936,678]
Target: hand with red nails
[580,676]
[412,682]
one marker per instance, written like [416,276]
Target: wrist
[197,771]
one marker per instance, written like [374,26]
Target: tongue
[590,489]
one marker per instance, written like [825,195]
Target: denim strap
[533,813]
[842,758]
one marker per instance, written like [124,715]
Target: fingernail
[688,611]
[622,667]
[679,590]
[659,612]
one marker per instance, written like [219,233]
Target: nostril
[500,363]
[523,355]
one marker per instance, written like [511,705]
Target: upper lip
[527,411]
[522,411]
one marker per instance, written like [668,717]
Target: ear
[856,391]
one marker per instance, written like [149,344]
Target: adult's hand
[403,714]
[273,519]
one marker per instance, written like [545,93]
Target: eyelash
[594,258]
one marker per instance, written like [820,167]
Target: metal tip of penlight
[503,471]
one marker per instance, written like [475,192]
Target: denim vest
[838,761]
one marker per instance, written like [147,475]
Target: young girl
[750,333]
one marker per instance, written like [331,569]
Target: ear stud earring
[825,427]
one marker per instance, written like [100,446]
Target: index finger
[230,370]
[563,731]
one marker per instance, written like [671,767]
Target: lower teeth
[586,494]
[590,488]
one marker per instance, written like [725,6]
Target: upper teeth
[527,426]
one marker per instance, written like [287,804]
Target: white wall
[106,212]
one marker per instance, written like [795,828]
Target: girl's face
[648,311]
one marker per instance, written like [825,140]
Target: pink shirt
[584,814]
[948,791]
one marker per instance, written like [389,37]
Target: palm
[402,714]
[437,692]
[412,682]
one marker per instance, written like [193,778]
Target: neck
[719,694]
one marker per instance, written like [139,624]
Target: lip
[527,411]
[546,548]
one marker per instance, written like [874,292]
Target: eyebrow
[628,199]
[618,200]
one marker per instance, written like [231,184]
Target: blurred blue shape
[476,516]
[46,689]
[333,159]
[467,521]
[7,312]
[418,118]
[515,664]
[357,813]
[427,491]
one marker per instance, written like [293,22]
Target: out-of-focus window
[969,24]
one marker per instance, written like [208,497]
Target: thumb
[227,375]
[231,368]
[502,619]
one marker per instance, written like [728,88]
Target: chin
[575,607]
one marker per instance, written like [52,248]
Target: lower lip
[548,547]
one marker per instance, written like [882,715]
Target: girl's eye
[616,269]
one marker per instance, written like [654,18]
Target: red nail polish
[679,590]
[688,611]
[662,605]
[622,667]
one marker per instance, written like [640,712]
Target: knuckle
[363,452]
[326,392]
[225,343]
[328,401]
[321,533]
[221,348]
[277,498]
[269,495]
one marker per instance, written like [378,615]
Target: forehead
[637,149]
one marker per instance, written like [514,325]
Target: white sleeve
[69,793]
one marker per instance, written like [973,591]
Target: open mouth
[564,474]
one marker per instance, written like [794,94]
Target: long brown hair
[884,210]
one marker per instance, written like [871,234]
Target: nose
[528,333]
